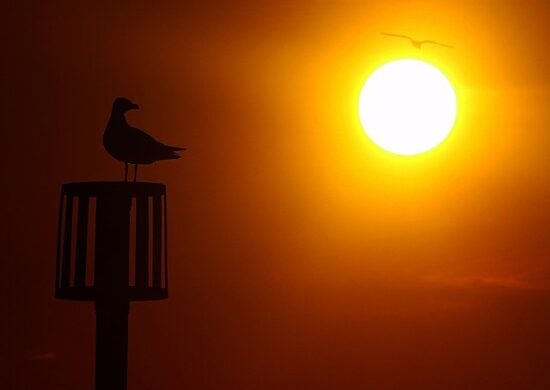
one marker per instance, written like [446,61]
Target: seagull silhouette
[416,43]
[130,145]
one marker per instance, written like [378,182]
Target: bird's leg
[135,172]
[125,172]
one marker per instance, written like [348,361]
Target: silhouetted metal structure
[112,249]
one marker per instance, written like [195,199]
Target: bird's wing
[436,43]
[140,138]
[397,35]
[147,149]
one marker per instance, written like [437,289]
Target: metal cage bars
[86,212]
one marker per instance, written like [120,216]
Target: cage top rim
[95,188]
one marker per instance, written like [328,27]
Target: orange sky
[301,255]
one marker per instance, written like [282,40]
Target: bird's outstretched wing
[397,36]
[436,43]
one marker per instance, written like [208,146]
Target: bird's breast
[114,145]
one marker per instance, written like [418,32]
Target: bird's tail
[170,152]
[171,156]
[175,148]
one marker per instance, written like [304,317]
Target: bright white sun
[407,107]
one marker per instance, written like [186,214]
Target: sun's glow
[407,107]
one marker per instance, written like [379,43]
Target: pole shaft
[111,280]
[111,345]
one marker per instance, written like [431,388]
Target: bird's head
[122,105]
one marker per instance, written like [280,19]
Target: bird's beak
[135,106]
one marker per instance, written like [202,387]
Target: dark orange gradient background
[301,255]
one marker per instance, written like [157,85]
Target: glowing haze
[302,255]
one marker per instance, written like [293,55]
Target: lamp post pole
[107,227]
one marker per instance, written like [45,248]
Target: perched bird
[130,145]
[416,43]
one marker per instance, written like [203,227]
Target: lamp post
[112,249]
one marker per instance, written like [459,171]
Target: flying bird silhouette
[130,145]
[416,43]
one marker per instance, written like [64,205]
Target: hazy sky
[301,255]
